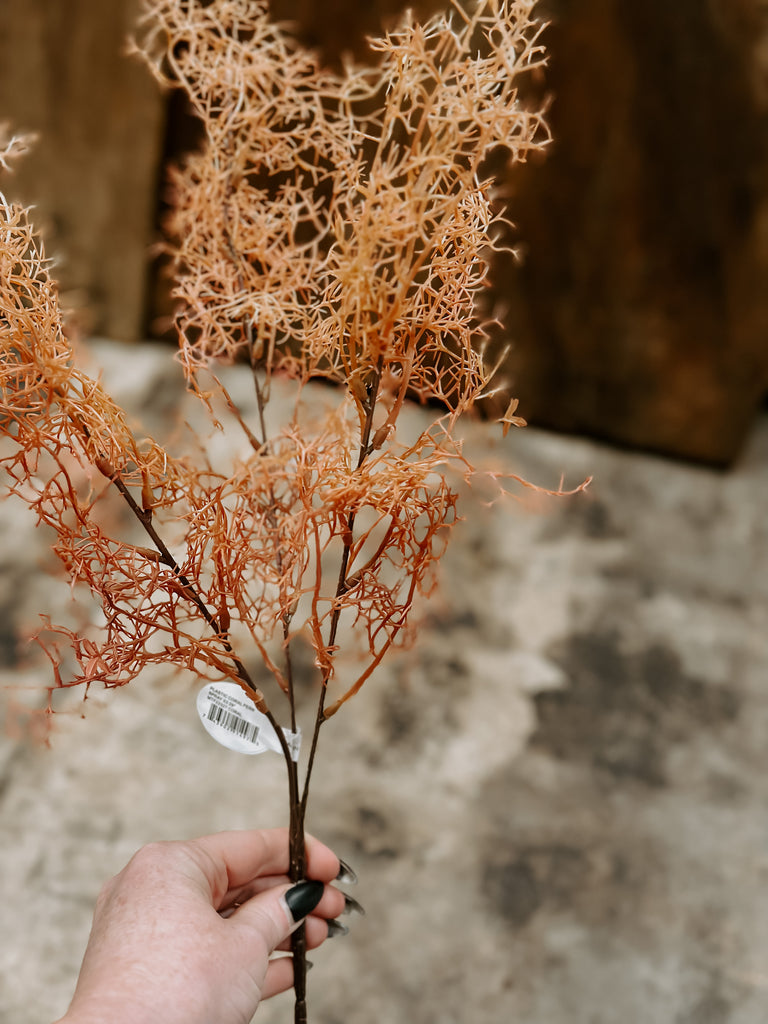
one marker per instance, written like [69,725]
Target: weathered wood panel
[93,172]
[640,313]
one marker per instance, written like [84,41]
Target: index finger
[249,854]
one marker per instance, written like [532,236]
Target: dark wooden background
[639,313]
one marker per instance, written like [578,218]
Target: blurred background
[558,802]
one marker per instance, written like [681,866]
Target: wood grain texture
[92,174]
[640,311]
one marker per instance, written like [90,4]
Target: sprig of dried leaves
[332,225]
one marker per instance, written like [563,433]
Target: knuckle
[150,860]
[150,854]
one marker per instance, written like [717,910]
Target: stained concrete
[556,802]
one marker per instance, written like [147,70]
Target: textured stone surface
[555,802]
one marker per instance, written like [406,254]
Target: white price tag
[233,720]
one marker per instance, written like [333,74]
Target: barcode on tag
[232,719]
[233,723]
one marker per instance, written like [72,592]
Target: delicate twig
[341,582]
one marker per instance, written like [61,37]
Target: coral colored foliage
[331,225]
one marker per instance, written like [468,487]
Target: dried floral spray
[332,225]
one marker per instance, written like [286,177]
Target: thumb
[278,911]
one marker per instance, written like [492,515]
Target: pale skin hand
[160,951]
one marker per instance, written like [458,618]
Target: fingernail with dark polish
[351,906]
[346,875]
[336,928]
[303,898]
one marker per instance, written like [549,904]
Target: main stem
[298,802]
[297,853]
[298,867]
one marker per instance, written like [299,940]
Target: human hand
[185,932]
